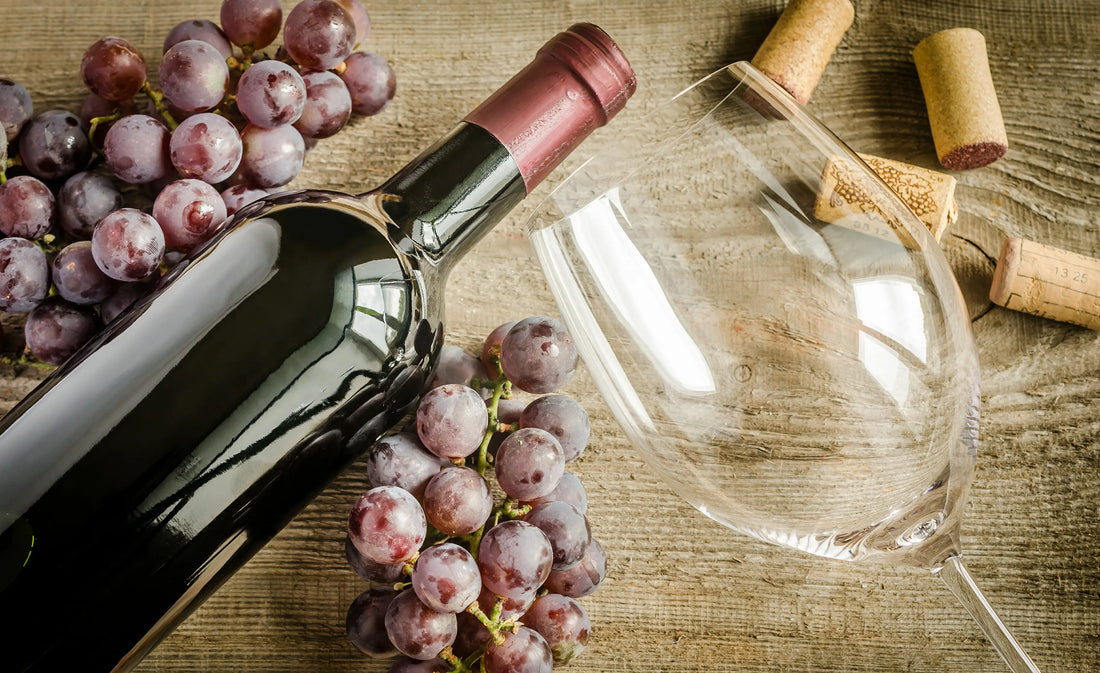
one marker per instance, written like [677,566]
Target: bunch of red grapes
[467,581]
[224,126]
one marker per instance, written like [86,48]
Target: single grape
[193,76]
[202,30]
[370,81]
[524,651]
[471,636]
[252,23]
[509,607]
[563,417]
[417,630]
[451,421]
[570,490]
[77,278]
[410,665]
[16,108]
[566,528]
[387,525]
[454,365]
[359,18]
[366,622]
[85,199]
[538,355]
[270,94]
[319,34]
[564,624]
[328,105]
[458,501]
[583,578]
[128,244]
[136,149]
[382,573]
[490,348]
[56,329]
[122,299]
[272,157]
[27,207]
[113,69]
[24,275]
[509,410]
[241,195]
[529,464]
[446,578]
[54,145]
[514,558]
[189,212]
[400,460]
[206,147]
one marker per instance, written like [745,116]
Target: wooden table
[683,594]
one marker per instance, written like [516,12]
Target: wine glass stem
[958,580]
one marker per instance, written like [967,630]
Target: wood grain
[683,594]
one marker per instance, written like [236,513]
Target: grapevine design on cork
[465,583]
[96,205]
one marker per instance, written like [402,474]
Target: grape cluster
[96,204]
[466,581]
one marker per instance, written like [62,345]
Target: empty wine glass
[777,333]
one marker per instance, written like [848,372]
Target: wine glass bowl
[777,333]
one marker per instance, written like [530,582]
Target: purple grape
[202,30]
[529,464]
[319,34]
[446,578]
[251,23]
[565,527]
[583,578]
[400,460]
[241,195]
[458,501]
[77,278]
[193,76]
[136,149]
[524,651]
[56,329]
[128,245]
[538,355]
[564,624]
[509,410]
[189,212]
[85,199]
[366,622]
[24,275]
[471,636]
[490,348]
[328,105]
[563,417]
[272,157]
[570,490]
[370,81]
[514,558]
[455,366]
[206,147]
[410,665]
[16,108]
[387,525]
[359,18]
[113,69]
[27,207]
[451,420]
[417,630]
[122,299]
[270,94]
[368,569]
[54,145]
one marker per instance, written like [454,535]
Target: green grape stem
[158,102]
[8,163]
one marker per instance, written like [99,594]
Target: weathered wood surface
[683,594]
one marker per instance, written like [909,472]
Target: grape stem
[502,389]
[158,102]
[96,121]
[8,163]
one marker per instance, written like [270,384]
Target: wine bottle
[149,467]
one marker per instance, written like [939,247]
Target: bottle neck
[451,195]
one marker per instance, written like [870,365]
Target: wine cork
[929,194]
[1057,284]
[799,46]
[963,111]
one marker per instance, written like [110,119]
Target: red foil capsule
[577,82]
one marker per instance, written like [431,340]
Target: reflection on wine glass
[776,332]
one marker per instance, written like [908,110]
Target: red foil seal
[577,82]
